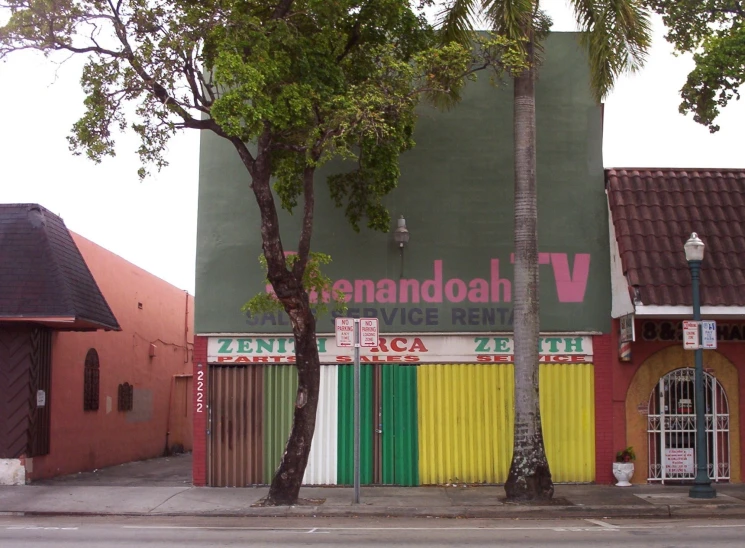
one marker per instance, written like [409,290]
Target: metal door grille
[671,428]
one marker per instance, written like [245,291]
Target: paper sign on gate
[679,462]
[709,335]
[344,332]
[690,335]
[368,332]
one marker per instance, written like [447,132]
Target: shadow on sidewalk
[173,471]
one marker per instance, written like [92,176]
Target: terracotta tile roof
[43,274]
[654,212]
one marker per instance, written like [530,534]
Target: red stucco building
[650,398]
[95,353]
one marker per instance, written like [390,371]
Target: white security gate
[671,428]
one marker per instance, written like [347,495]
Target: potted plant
[623,468]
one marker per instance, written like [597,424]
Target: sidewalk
[118,491]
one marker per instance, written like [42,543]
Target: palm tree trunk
[529,477]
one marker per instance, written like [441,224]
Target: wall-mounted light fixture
[401,237]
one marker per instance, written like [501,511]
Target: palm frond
[617,36]
[510,18]
[455,21]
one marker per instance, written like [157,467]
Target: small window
[90,384]
[125,397]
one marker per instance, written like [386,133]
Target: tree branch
[306,230]
[207,86]
[352,41]
[292,148]
[245,155]
[284,283]
[282,9]
[189,70]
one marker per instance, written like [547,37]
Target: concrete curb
[513,512]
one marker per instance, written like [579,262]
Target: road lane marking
[603,524]
[38,527]
[328,529]
[717,526]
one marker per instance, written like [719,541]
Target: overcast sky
[153,223]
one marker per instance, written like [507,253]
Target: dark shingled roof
[43,275]
[654,212]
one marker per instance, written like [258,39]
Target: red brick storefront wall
[201,413]
[604,423]
[613,379]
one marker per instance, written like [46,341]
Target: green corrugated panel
[407,432]
[280,391]
[388,422]
[400,431]
[345,471]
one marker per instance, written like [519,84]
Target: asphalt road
[162,532]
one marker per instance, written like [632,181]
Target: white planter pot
[623,472]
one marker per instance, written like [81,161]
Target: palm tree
[616,36]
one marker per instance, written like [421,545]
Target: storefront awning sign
[400,349]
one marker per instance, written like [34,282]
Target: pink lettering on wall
[432,289]
[571,288]
[570,285]
[498,283]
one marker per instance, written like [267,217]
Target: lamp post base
[702,491]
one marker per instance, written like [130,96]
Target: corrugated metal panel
[321,469]
[465,423]
[386,428]
[568,418]
[345,468]
[377,397]
[236,409]
[280,393]
[400,451]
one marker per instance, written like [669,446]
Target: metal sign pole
[356,411]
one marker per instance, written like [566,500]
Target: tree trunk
[288,287]
[285,486]
[529,477]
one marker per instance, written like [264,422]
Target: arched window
[125,397]
[671,428]
[90,383]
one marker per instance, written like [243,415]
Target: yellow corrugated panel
[465,423]
[568,417]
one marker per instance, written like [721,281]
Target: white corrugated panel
[321,469]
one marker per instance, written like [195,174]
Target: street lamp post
[701,489]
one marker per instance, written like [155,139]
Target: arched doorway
[671,428]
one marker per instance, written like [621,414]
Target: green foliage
[318,286]
[616,34]
[318,79]
[714,32]
[626,455]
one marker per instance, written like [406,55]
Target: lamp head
[401,234]
[694,248]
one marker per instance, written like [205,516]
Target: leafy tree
[302,81]
[714,32]
[616,36]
